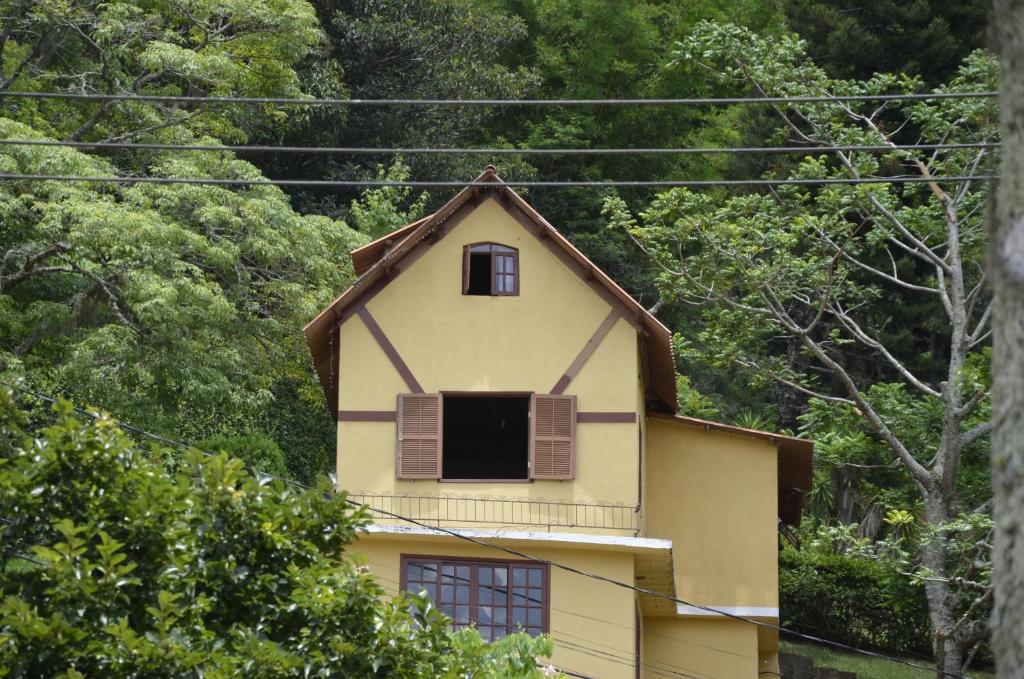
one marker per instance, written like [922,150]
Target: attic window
[490,269]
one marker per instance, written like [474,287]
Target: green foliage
[926,38]
[379,212]
[147,564]
[257,451]
[170,47]
[841,597]
[174,305]
[418,49]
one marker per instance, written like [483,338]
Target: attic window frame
[507,251]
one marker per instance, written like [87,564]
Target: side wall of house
[714,495]
[700,648]
[591,622]
[456,342]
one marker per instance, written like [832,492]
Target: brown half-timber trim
[585,353]
[367,416]
[389,349]
[597,416]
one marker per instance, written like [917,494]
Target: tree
[168,47]
[174,305]
[127,561]
[816,265]
[856,39]
[418,49]
[1006,260]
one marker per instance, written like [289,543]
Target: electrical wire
[364,150]
[313,101]
[681,671]
[369,183]
[551,564]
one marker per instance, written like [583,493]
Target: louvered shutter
[553,453]
[419,436]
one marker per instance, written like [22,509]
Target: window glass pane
[462,615]
[499,284]
[501,248]
[483,247]
[462,594]
[485,575]
[483,615]
[499,264]
[510,283]
[533,617]
[447,593]
[518,617]
[510,264]
[501,576]
[484,596]
[535,577]
[501,616]
[518,576]
[413,572]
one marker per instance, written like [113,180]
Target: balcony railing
[502,511]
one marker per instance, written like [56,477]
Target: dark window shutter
[553,453]
[419,436]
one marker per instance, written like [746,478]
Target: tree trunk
[1007,275]
[941,601]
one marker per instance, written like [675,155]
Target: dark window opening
[479,274]
[496,598]
[490,269]
[486,437]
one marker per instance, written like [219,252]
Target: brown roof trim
[658,339]
[367,255]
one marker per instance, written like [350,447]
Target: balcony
[453,511]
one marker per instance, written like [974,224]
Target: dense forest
[853,316]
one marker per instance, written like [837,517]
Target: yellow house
[488,378]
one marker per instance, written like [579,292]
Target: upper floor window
[486,436]
[490,269]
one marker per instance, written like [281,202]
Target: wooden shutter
[419,436]
[553,449]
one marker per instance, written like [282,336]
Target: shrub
[129,562]
[854,601]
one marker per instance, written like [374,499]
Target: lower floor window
[497,598]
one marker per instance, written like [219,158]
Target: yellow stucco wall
[714,495]
[456,342]
[700,648]
[591,622]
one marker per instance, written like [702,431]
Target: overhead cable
[550,563]
[379,183]
[313,101]
[415,150]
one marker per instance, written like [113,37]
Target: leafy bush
[130,562]
[854,601]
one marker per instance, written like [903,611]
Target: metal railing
[550,514]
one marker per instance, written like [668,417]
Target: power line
[683,101]
[552,564]
[414,150]
[379,183]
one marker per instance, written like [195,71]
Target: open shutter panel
[419,436]
[554,437]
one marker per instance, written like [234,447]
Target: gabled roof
[381,260]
